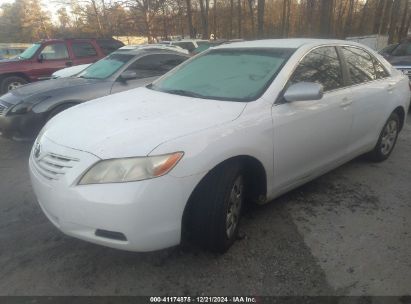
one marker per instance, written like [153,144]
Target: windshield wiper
[185,93]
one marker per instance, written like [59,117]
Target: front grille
[406,71]
[52,166]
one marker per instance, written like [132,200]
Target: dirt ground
[346,233]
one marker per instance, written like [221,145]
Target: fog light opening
[113,235]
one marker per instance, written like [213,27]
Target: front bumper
[21,127]
[147,213]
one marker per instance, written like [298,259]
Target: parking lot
[346,233]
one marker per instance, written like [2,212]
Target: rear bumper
[21,127]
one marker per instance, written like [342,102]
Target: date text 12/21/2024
[204,299]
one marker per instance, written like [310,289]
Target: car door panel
[371,89]
[310,135]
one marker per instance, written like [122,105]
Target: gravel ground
[346,233]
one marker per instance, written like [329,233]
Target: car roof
[148,50]
[75,39]
[293,43]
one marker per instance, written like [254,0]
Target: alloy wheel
[234,206]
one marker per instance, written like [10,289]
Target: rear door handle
[345,102]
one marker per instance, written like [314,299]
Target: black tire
[58,110]
[387,140]
[210,208]
[9,81]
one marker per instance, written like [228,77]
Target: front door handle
[345,102]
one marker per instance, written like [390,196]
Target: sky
[51,6]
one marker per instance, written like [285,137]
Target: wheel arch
[256,180]
[18,74]
[401,114]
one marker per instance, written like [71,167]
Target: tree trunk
[239,19]
[285,19]
[393,29]
[326,14]
[386,18]
[204,17]
[231,19]
[310,6]
[379,16]
[250,6]
[362,28]
[215,19]
[404,20]
[349,20]
[190,19]
[260,18]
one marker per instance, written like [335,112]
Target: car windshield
[30,51]
[225,74]
[105,67]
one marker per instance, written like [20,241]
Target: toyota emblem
[37,150]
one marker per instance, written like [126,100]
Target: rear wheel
[10,83]
[215,208]
[387,139]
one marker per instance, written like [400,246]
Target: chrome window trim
[335,45]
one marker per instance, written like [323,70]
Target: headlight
[26,106]
[130,169]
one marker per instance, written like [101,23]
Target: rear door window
[83,49]
[360,65]
[155,65]
[322,66]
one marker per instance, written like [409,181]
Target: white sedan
[240,123]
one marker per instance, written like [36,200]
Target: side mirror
[303,91]
[40,58]
[126,75]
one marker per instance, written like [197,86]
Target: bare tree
[393,29]
[190,19]
[260,18]
[326,15]
[204,8]
[285,20]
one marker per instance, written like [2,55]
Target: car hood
[46,88]
[399,60]
[134,122]
[11,62]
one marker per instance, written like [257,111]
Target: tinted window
[105,67]
[155,65]
[321,65]
[404,49]
[380,70]
[226,74]
[55,51]
[109,46]
[83,49]
[360,65]
[189,46]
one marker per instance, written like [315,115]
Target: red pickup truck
[43,58]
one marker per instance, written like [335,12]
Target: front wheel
[387,139]
[216,206]
[10,83]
